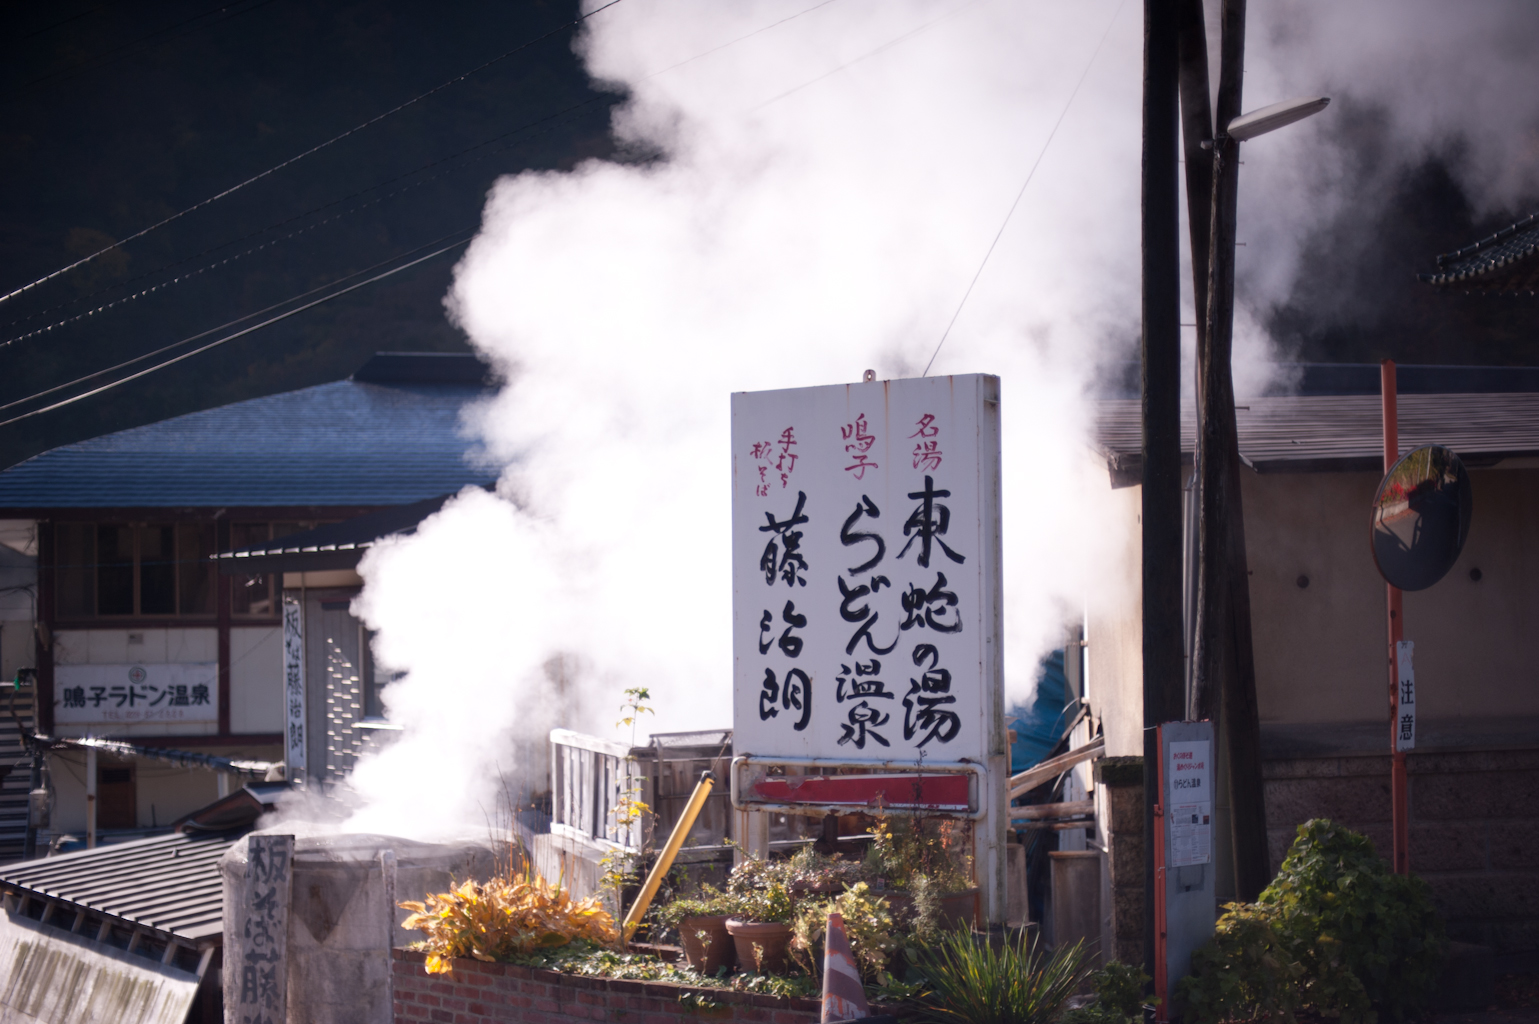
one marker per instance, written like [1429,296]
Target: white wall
[256,679]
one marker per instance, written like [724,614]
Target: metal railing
[592,780]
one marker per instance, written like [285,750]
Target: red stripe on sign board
[941,792]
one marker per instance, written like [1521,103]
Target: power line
[1029,174]
[573,109]
[309,152]
[229,337]
[59,24]
[288,220]
[230,323]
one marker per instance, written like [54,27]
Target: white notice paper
[1190,808]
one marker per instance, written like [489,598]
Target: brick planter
[478,993]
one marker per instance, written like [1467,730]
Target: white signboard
[1405,725]
[865,555]
[114,695]
[293,686]
[1189,776]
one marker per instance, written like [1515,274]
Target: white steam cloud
[822,193]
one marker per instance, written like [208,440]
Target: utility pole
[1161,401]
[1224,683]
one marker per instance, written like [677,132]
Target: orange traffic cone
[844,997]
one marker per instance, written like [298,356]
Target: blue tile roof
[346,443]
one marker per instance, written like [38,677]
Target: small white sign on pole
[865,553]
[1405,726]
[293,687]
[1191,802]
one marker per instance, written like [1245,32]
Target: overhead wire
[1029,175]
[227,338]
[300,156]
[289,220]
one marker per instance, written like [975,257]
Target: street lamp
[1259,122]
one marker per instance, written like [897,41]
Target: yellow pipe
[665,859]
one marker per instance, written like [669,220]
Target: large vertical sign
[256,968]
[865,553]
[293,687]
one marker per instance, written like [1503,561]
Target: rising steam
[805,203]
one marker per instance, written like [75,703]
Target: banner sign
[114,695]
[1405,725]
[865,561]
[293,687]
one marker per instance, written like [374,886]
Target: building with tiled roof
[1508,262]
[137,636]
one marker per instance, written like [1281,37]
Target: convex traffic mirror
[1421,516]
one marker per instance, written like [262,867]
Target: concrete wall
[1114,626]
[1320,649]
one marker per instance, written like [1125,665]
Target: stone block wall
[478,993]
[1474,831]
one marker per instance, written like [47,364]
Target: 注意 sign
[865,555]
[118,695]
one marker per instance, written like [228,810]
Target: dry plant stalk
[504,918]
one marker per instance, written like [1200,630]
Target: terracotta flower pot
[761,946]
[707,946]
[960,909]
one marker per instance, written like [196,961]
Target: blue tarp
[1040,721]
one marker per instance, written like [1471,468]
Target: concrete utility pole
[1161,397]
[1224,683]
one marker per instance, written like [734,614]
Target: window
[134,569]
[258,595]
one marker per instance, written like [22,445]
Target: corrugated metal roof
[348,443]
[1508,261]
[167,883]
[1339,432]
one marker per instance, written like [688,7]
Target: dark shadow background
[113,116]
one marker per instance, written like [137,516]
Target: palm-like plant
[971,982]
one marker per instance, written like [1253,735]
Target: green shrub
[971,982]
[1119,997]
[1243,973]
[1342,913]
[867,922]
[1336,932]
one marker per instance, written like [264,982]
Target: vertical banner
[293,687]
[1405,683]
[256,982]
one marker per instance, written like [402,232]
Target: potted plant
[923,869]
[701,922]
[760,925]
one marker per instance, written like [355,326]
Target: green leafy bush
[1338,908]
[1336,932]
[1243,973]
[971,982]
[867,922]
[1119,997]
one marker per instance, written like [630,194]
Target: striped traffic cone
[844,997]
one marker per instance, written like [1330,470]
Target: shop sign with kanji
[125,694]
[865,553]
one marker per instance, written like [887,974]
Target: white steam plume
[823,193]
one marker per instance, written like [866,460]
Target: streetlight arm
[1259,122]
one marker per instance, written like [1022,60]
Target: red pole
[1399,804]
